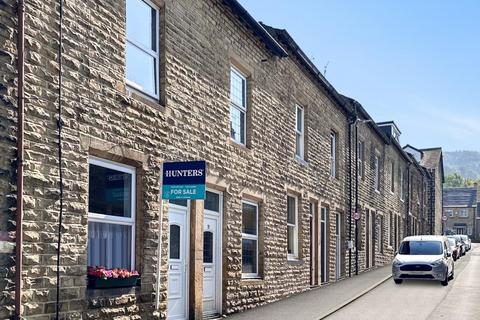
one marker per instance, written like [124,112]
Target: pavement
[320,302]
[464,294]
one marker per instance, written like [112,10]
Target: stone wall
[8,116]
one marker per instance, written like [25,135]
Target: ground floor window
[249,239]
[111,215]
[292,227]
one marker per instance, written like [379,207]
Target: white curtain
[109,245]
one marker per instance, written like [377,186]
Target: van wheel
[398,281]
[445,282]
[452,275]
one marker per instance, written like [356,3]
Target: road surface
[423,299]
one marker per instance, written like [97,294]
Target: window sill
[332,178]
[239,145]
[295,262]
[146,99]
[392,192]
[301,161]
[377,191]
[252,281]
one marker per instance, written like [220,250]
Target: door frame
[187,253]
[338,246]
[219,252]
[324,254]
[314,244]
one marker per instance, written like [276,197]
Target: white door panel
[177,263]
[212,261]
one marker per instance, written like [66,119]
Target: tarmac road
[423,299]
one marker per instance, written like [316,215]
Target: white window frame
[294,255]
[300,133]
[105,218]
[381,241]
[376,173]
[154,54]
[333,154]
[392,177]
[252,237]
[390,229]
[242,109]
[463,213]
[402,185]
[360,147]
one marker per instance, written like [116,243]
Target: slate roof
[460,197]
[283,37]
[431,157]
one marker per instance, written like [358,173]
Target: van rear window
[421,248]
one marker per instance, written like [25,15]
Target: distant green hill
[466,163]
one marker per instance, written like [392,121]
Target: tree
[455,180]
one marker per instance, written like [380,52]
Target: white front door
[212,255]
[177,307]
[323,245]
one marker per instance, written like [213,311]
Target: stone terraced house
[304,188]
[460,210]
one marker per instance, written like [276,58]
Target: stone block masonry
[104,118]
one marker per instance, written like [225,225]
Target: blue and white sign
[184,180]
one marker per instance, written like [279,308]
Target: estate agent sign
[184,180]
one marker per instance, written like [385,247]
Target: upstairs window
[333,154]
[360,156]
[376,173]
[111,215]
[402,185]
[463,213]
[238,106]
[299,132]
[142,52]
[392,177]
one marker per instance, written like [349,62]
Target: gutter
[20,156]
[257,28]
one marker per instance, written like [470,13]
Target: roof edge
[257,28]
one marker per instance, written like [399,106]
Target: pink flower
[101,272]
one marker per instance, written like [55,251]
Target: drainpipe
[356,196]
[408,227]
[350,202]
[20,156]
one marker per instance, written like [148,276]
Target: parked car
[454,248]
[463,246]
[423,257]
[468,242]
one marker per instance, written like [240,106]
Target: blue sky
[414,62]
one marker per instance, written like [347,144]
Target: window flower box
[101,278]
